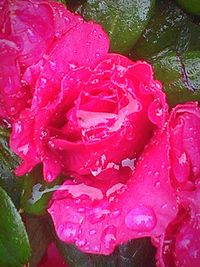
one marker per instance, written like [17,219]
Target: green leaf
[191,6]
[124,21]
[180,74]
[14,244]
[39,236]
[169,30]
[8,162]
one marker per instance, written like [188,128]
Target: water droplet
[157,184]
[52,65]
[81,210]
[109,237]
[149,172]
[130,133]
[72,66]
[68,231]
[92,232]
[159,112]
[24,149]
[43,134]
[182,159]
[94,81]
[81,243]
[18,127]
[67,20]
[43,82]
[163,166]
[164,206]
[115,188]
[128,163]
[51,144]
[141,218]
[49,177]
[123,132]
[184,244]
[31,36]
[12,110]
[98,214]
[115,213]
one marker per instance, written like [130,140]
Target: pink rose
[93,119]
[13,96]
[151,201]
[97,220]
[30,31]
[180,243]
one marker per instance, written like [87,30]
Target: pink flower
[185,142]
[159,200]
[30,32]
[180,243]
[93,119]
[13,96]
[97,220]
[52,258]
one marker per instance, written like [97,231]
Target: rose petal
[92,112]
[13,96]
[181,242]
[97,223]
[22,143]
[34,32]
[185,141]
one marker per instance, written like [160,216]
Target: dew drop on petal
[164,206]
[68,231]
[81,210]
[130,133]
[97,55]
[92,232]
[24,149]
[31,36]
[67,20]
[141,218]
[98,214]
[81,243]
[115,213]
[149,172]
[96,248]
[109,237]
[157,184]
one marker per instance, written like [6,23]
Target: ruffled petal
[98,222]
[185,141]
[13,95]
